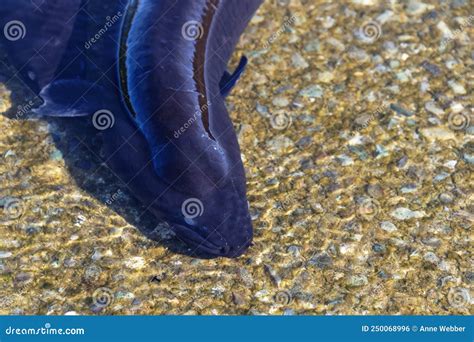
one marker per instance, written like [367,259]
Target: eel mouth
[204,247]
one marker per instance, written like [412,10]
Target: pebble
[4,255]
[276,279]
[313,46]
[431,258]
[400,110]
[92,273]
[23,277]
[322,260]
[379,248]
[237,298]
[432,68]
[402,213]
[280,101]
[409,188]
[135,263]
[432,107]
[365,2]
[263,110]
[457,87]
[314,91]
[279,144]
[374,190]
[344,160]
[325,77]
[437,133]
[358,280]
[299,61]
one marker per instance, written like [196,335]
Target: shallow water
[359,155]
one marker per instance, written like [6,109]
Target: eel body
[152,77]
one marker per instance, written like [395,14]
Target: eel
[152,77]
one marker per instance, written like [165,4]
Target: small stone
[279,144]
[446,198]
[92,274]
[437,133]
[4,255]
[135,263]
[441,176]
[374,190]
[457,87]
[313,46]
[263,110]
[303,142]
[322,260]
[313,91]
[23,277]
[276,279]
[237,298]
[71,313]
[431,258]
[400,110]
[432,107]
[344,160]
[358,280]
[281,101]
[325,77]
[402,213]
[379,248]
[433,69]
[409,188]
[299,61]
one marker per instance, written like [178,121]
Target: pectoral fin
[70,98]
[228,80]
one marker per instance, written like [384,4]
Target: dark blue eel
[158,69]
